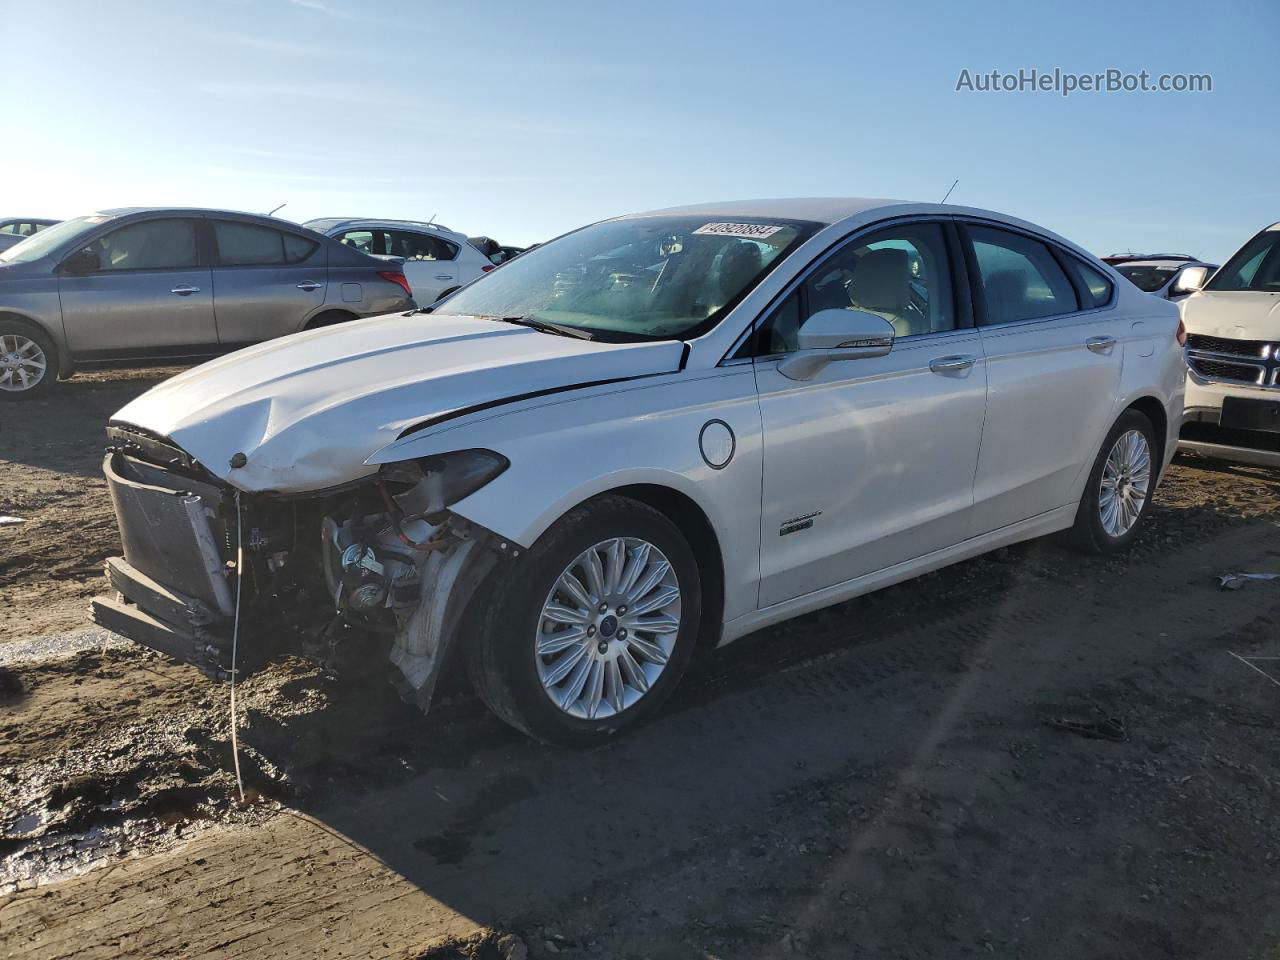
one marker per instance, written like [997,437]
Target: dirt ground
[1033,754]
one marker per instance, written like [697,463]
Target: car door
[1053,374]
[138,290]
[430,263]
[870,463]
[266,281]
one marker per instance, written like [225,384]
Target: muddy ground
[1032,754]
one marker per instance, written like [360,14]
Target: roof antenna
[949,189]
[281,207]
[433,219]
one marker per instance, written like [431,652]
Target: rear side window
[416,246]
[248,244]
[1020,278]
[149,245]
[1093,281]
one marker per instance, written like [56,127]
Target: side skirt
[1058,519]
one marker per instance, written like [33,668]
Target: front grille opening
[1241,348]
[1220,369]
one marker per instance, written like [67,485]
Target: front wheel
[27,367]
[590,631]
[1118,493]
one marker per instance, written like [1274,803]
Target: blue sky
[521,120]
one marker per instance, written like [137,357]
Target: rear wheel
[590,631]
[28,366]
[1118,492]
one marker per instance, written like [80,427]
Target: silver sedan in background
[136,285]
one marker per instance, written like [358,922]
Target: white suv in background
[437,260]
[1233,357]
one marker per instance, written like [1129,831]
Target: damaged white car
[655,433]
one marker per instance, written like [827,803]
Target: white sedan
[655,433]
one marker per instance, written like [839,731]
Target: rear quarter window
[1095,286]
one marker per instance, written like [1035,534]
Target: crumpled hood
[308,410]
[1237,314]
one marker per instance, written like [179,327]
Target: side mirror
[1189,280]
[80,263]
[831,335]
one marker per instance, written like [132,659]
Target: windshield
[35,247]
[647,278]
[1255,267]
[1147,279]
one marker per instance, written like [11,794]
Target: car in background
[496,252]
[437,260]
[1170,278]
[1116,259]
[134,285]
[16,229]
[1233,357]
[735,413]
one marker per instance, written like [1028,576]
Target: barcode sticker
[750,231]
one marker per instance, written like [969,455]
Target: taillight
[395,276]
[1181,335]
[487,267]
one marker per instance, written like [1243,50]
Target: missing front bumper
[153,615]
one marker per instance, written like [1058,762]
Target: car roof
[48,220]
[329,223]
[819,209]
[198,211]
[1165,262]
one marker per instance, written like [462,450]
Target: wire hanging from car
[235,641]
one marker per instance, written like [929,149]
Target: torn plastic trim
[448,580]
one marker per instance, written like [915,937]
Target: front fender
[564,450]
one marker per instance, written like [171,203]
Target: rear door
[430,263]
[1053,374]
[149,296]
[266,282]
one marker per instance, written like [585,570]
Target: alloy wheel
[1126,479]
[608,628]
[22,363]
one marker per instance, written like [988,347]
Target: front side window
[49,239]
[362,240]
[9,229]
[149,245]
[1148,279]
[1255,267]
[902,274]
[641,278]
[1020,278]
[249,244]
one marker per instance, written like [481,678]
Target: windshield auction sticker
[751,231]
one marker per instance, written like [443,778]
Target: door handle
[183,290]
[952,364]
[308,285]
[1100,344]
[444,276]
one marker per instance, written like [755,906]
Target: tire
[1098,529]
[518,683]
[25,353]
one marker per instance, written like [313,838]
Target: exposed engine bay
[225,580]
